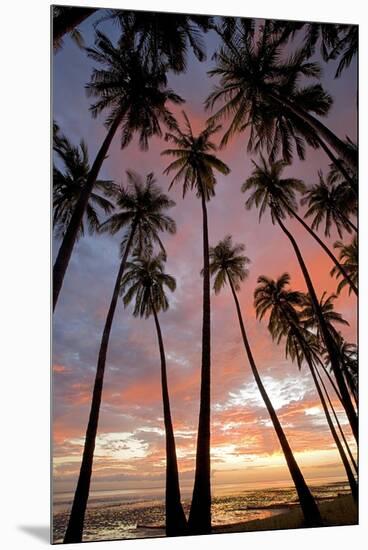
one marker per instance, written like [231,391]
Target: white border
[25,270]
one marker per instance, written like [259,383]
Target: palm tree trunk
[67,245]
[200,510]
[351,385]
[321,130]
[331,347]
[324,247]
[176,522]
[344,458]
[68,21]
[308,505]
[74,530]
[352,460]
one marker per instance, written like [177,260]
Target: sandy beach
[340,511]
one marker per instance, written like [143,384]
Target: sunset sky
[130,452]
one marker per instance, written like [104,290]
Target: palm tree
[65,20]
[330,315]
[349,260]
[136,98]
[330,204]
[228,265]
[347,351]
[145,281]
[267,188]
[68,184]
[286,322]
[280,131]
[142,217]
[352,460]
[164,38]
[282,193]
[251,71]
[347,47]
[194,164]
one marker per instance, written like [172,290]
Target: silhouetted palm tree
[228,265]
[144,281]
[327,35]
[329,203]
[65,20]
[330,315]
[348,360]
[347,351]
[347,47]
[349,260]
[301,346]
[251,71]
[352,459]
[280,132]
[142,217]
[135,97]
[282,193]
[345,176]
[164,38]
[68,183]
[267,187]
[194,164]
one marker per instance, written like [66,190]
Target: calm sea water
[113,515]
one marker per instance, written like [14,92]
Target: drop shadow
[40,532]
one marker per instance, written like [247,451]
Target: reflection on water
[110,517]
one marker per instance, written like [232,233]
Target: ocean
[114,515]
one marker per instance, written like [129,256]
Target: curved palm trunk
[344,458]
[74,530]
[351,384]
[330,379]
[324,247]
[68,21]
[331,347]
[176,522]
[67,245]
[325,133]
[347,447]
[200,510]
[309,507]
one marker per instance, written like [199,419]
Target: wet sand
[339,511]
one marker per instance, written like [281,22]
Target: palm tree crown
[164,37]
[331,316]
[249,70]
[141,204]
[145,280]
[348,254]
[195,162]
[285,319]
[270,293]
[68,184]
[131,90]
[328,202]
[227,261]
[269,190]
[347,47]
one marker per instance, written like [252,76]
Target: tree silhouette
[195,164]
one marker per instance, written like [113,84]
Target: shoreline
[338,511]
[335,512]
